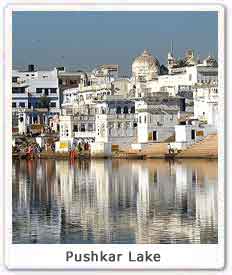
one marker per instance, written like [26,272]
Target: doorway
[193,134]
[154,135]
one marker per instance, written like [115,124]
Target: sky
[83,40]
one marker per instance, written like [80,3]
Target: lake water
[115,201]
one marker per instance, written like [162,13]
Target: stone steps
[156,149]
[205,148]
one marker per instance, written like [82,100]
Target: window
[14,104]
[145,119]
[190,77]
[18,90]
[75,128]
[39,90]
[132,109]
[53,104]
[118,110]
[46,91]
[82,127]
[53,90]
[22,104]
[14,79]
[72,82]
[90,127]
[125,110]
[140,119]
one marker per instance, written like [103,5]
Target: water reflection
[115,201]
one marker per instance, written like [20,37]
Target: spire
[171,47]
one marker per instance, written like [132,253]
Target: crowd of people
[33,149]
[78,147]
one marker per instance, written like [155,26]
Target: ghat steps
[207,148]
[155,150]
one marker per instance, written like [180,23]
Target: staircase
[170,139]
[126,146]
[207,148]
[155,150]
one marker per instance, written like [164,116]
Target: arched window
[125,110]
[132,110]
[118,110]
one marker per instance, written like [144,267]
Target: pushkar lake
[115,201]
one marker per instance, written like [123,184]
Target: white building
[205,118]
[206,104]
[145,108]
[187,77]
[156,125]
[116,121]
[182,74]
[30,86]
[157,117]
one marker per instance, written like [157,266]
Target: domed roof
[210,61]
[145,67]
[146,58]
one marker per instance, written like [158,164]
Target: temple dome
[145,66]
[210,61]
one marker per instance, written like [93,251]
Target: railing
[87,134]
[94,87]
[118,116]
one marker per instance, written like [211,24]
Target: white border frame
[53,256]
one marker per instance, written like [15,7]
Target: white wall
[162,123]
[66,127]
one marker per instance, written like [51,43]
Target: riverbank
[205,149]
[118,155]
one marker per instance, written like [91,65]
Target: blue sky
[81,40]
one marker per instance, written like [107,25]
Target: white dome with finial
[210,62]
[145,67]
